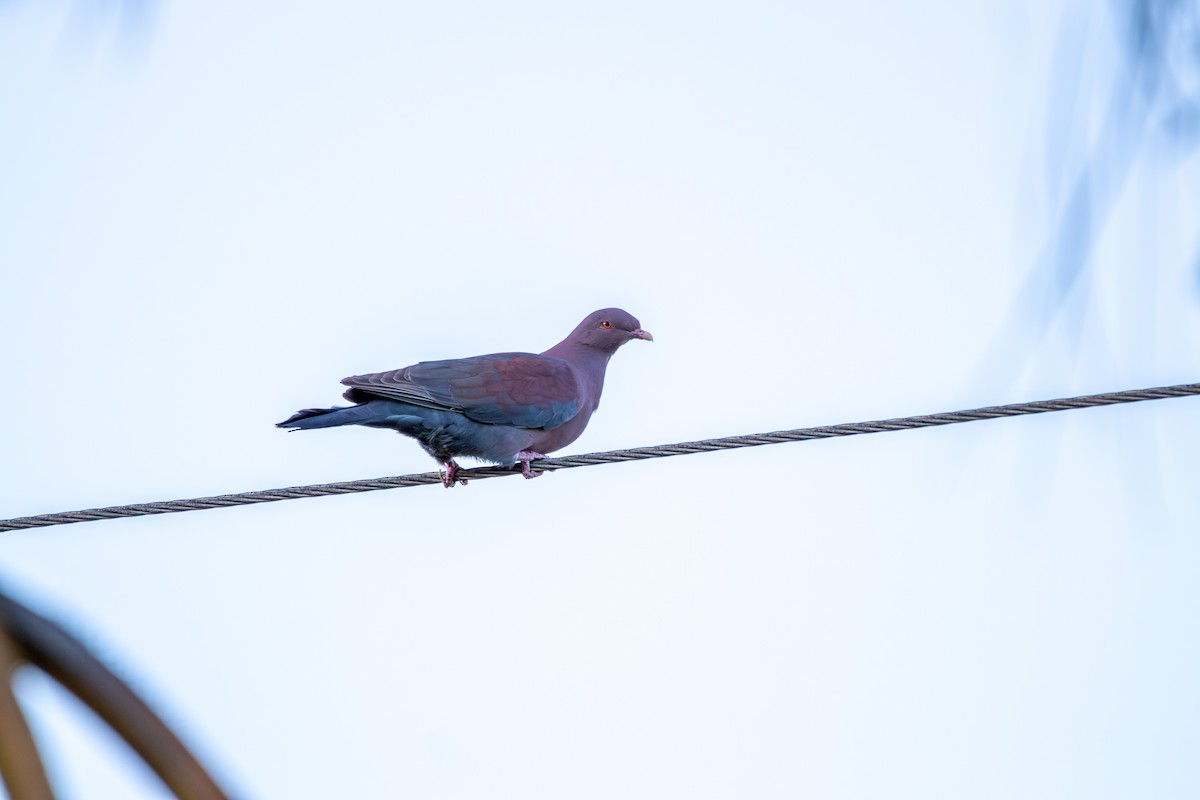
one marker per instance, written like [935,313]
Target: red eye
[606,324]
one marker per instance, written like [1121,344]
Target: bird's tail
[307,418]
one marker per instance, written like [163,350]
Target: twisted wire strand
[607,457]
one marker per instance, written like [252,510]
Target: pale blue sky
[824,214]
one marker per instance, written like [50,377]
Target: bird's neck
[579,354]
[589,362]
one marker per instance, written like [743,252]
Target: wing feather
[519,389]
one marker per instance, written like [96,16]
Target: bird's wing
[519,389]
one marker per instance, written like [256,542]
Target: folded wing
[519,389]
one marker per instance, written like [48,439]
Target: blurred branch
[26,637]
[20,764]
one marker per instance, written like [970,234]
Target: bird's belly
[554,439]
[446,435]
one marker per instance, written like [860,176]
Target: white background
[825,213]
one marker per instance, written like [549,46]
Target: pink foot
[450,476]
[525,456]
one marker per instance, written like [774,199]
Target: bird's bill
[641,334]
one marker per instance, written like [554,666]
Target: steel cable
[607,457]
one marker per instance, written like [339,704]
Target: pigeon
[502,407]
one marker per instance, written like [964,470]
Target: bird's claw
[450,476]
[525,457]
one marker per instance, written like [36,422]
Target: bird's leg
[450,476]
[525,456]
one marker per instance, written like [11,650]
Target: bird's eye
[606,324]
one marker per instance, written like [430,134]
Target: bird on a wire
[503,407]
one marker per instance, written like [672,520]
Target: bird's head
[608,329]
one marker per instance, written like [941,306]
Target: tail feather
[307,418]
